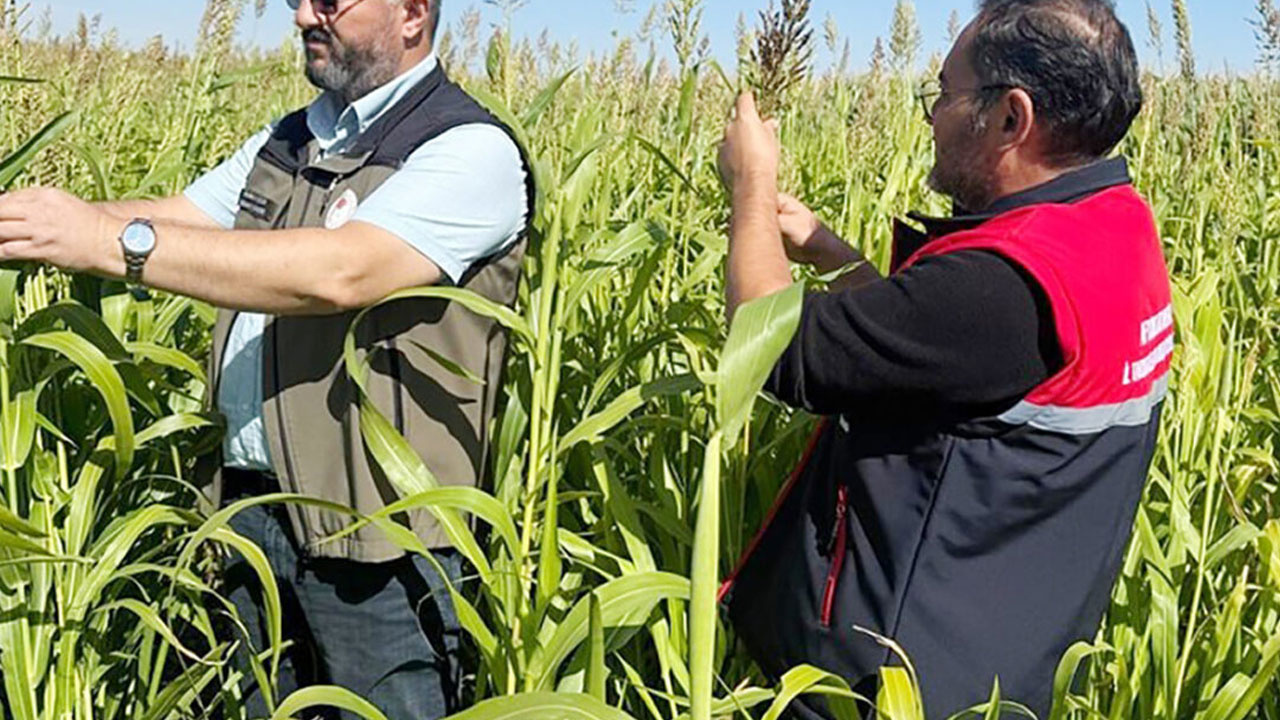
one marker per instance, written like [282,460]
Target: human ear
[416,17]
[1019,117]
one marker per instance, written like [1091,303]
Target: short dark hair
[1076,61]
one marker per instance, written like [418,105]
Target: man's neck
[413,56]
[1023,177]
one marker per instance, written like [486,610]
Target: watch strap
[133,267]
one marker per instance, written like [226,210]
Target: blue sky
[1221,31]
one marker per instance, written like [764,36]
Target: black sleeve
[965,332]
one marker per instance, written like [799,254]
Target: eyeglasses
[931,92]
[324,7]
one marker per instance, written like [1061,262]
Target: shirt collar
[1068,187]
[335,124]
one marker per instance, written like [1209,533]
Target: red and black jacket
[983,532]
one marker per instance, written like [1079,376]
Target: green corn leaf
[898,698]
[549,566]
[665,160]
[172,425]
[806,679]
[575,189]
[105,379]
[9,279]
[684,110]
[165,169]
[83,506]
[151,619]
[113,546]
[454,497]
[543,100]
[181,692]
[402,465]
[601,265]
[627,600]
[1065,675]
[1237,538]
[79,320]
[14,524]
[11,166]
[326,695]
[760,332]
[1271,557]
[168,357]
[993,704]
[1242,693]
[272,606]
[740,701]
[93,159]
[1227,629]
[705,574]
[597,672]
[1231,695]
[19,543]
[474,302]
[15,666]
[19,420]
[542,706]
[591,428]
[899,686]
[449,365]
[229,78]
[406,471]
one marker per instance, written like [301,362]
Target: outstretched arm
[176,209]
[284,272]
[757,264]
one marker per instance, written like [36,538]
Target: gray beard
[971,188]
[964,176]
[353,72]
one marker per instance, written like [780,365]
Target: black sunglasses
[322,7]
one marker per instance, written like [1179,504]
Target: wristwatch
[138,240]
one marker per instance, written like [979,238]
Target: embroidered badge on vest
[342,210]
[258,206]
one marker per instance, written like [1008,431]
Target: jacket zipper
[837,546]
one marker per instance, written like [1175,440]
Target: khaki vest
[310,406]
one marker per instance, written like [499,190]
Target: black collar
[1069,187]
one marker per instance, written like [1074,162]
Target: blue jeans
[386,631]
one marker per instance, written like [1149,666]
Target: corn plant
[614,457]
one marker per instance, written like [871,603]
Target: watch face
[138,238]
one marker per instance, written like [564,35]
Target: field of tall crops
[630,468]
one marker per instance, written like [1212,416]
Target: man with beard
[992,405]
[392,178]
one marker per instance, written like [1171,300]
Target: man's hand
[809,242]
[750,147]
[799,226]
[51,226]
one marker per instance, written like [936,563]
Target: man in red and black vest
[992,405]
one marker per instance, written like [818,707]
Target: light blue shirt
[457,199]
